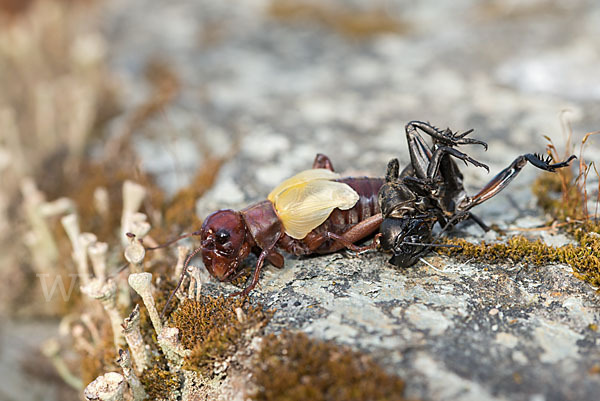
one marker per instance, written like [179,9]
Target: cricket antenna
[183,272]
[171,242]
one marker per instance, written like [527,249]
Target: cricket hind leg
[504,177]
[316,242]
[501,181]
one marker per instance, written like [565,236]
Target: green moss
[211,329]
[159,383]
[583,257]
[516,248]
[293,367]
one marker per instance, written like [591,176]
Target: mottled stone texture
[285,89]
[466,331]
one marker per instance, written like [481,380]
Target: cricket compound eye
[222,236]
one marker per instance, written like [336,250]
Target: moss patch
[211,329]
[583,257]
[293,367]
[160,384]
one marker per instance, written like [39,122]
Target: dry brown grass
[346,21]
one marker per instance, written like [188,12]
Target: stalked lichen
[293,367]
[212,329]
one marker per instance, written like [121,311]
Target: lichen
[293,367]
[212,329]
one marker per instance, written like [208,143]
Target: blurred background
[228,98]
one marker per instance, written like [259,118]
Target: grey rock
[288,90]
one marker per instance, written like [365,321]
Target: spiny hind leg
[501,181]
[504,177]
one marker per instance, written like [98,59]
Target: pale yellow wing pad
[305,201]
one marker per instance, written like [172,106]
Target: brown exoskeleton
[314,212]
[430,190]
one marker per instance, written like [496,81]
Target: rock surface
[286,90]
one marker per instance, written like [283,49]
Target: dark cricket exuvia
[430,190]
